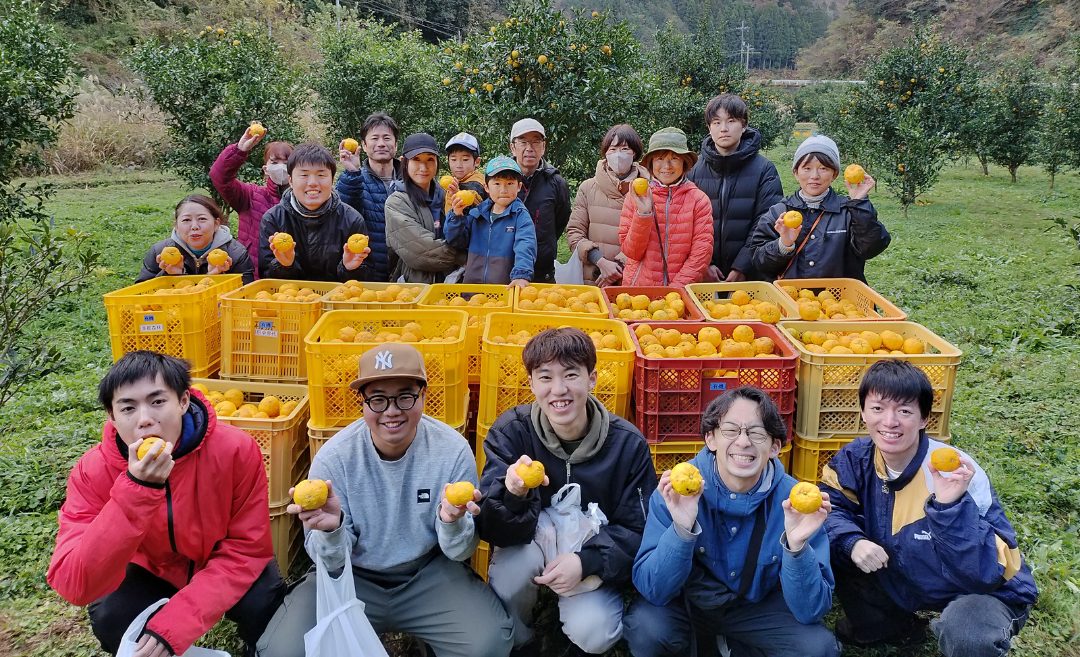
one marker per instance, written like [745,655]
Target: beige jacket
[594,219]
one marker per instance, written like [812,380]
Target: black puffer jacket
[319,241]
[193,264]
[741,186]
[619,478]
[547,197]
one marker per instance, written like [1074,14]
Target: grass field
[974,263]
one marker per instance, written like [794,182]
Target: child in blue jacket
[734,560]
[499,233]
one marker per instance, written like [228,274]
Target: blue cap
[500,164]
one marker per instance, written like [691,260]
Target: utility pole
[745,49]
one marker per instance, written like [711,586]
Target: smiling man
[311,212]
[189,520]
[388,519]
[580,442]
[543,191]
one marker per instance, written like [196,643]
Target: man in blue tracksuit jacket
[906,537]
[499,233]
[734,560]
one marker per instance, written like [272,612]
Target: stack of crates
[828,414]
[175,315]
[284,451]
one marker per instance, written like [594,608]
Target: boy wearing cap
[543,191]
[837,235]
[499,233]
[463,159]
[387,518]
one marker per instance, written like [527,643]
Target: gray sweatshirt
[391,507]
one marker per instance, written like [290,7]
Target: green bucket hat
[669,139]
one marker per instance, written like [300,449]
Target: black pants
[111,615]
[865,602]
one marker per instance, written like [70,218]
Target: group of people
[729,569]
[713,215]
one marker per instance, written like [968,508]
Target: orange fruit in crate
[791,291]
[149,442]
[705,350]
[740,297]
[764,345]
[710,334]
[460,493]
[914,346]
[270,405]
[236,396]
[686,479]
[639,302]
[809,312]
[225,408]
[171,256]
[945,459]
[201,388]
[892,340]
[742,333]
[872,339]
[357,243]
[217,258]
[311,494]
[287,408]
[247,410]
[805,497]
[532,475]
[768,312]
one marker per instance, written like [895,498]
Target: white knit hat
[821,145]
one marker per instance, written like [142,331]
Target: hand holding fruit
[349,157]
[450,184]
[868,556]
[683,508]
[353,259]
[251,137]
[171,261]
[325,518]
[643,202]
[959,471]
[283,248]
[858,182]
[562,574]
[804,513]
[150,459]
[463,200]
[218,262]
[524,475]
[458,498]
[788,226]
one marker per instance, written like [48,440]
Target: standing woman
[251,201]
[197,230]
[740,182]
[593,230]
[667,234]
[414,217]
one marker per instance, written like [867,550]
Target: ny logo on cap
[384,360]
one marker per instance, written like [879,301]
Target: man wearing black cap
[387,517]
[543,191]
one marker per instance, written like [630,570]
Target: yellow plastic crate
[666,456]
[332,365]
[481,433]
[281,440]
[151,316]
[504,383]
[872,304]
[828,394]
[523,304]
[758,291]
[331,300]
[263,339]
[318,437]
[446,295]
[287,533]
[481,558]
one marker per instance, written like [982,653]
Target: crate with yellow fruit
[478,301]
[681,367]
[546,298]
[504,383]
[752,301]
[838,299]
[336,342]
[834,355]
[263,325]
[175,315]
[658,303]
[274,414]
[362,295]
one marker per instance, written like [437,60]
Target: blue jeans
[759,629]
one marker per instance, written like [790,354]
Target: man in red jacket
[188,521]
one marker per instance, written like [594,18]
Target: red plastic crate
[670,394]
[691,314]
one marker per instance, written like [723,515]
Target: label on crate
[717,385]
[150,325]
[265,329]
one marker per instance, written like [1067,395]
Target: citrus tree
[911,114]
[1057,145]
[39,263]
[211,84]
[1016,95]
[367,66]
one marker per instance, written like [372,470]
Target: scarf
[813,202]
[591,442]
[296,208]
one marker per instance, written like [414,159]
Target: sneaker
[913,634]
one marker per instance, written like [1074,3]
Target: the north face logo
[384,360]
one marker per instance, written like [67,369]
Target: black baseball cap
[420,142]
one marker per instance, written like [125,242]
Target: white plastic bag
[571,273]
[563,528]
[130,641]
[341,627]
[455,276]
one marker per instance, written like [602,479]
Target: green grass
[974,264]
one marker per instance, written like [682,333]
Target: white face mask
[620,161]
[278,173]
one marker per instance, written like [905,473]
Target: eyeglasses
[379,403]
[757,435]
[535,145]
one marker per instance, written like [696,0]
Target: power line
[387,9]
